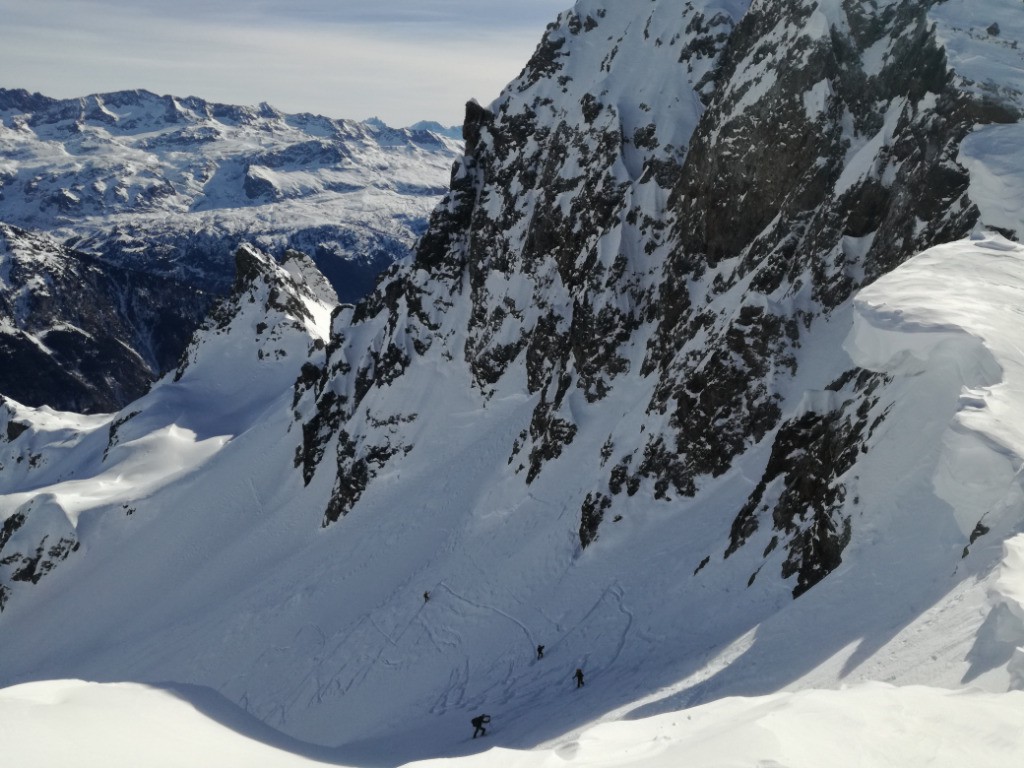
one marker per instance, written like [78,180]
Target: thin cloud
[403,61]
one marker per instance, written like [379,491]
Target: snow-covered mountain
[174,185]
[81,334]
[451,131]
[720,311]
[166,189]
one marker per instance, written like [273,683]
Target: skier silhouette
[579,677]
[478,723]
[540,651]
[426,597]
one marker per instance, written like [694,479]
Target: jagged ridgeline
[649,236]
[120,212]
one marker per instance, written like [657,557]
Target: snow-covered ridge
[910,316]
[884,726]
[953,313]
[178,183]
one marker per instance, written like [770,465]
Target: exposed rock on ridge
[813,148]
[80,334]
[242,360]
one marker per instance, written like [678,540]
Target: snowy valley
[704,375]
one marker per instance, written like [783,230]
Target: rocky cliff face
[827,158]
[674,201]
[80,334]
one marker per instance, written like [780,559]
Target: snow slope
[122,725]
[88,725]
[329,640]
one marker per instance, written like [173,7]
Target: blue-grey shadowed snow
[214,706]
[398,750]
[401,61]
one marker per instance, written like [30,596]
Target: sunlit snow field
[88,725]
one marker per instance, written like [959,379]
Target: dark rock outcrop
[585,221]
[81,334]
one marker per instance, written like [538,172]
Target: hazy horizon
[399,61]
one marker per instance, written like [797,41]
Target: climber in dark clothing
[478,724]
[540,651]
[579,677]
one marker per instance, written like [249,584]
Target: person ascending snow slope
[478,724]
[579,677]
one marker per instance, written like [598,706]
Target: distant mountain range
[451,131]
[168,187]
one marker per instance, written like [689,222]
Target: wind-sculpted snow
[911,324]
[906,320]
[881,725]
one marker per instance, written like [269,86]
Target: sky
[399,60]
